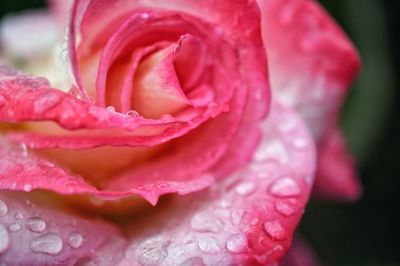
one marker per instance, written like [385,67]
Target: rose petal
[31,234]
[208,148]
[247,219]
[86,26]
[300,254]
[336,170]
[25,98]
[312,64]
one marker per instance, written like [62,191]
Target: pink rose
[172,98]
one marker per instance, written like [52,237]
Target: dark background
[365,232]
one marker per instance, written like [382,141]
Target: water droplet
[271,149]
[287,124]
[209,244]
[27,187]
[275,229]
[236,243]
[95,201]
[196,261]
[236,217]
[300,143]
[145,15]
[35,224]
[152,252]
[49,243]
[245,188]
[203,222]
[15,227]
[111,108]
[284,208]
[4,239]
[19,216]
[3,208]
[75,240]
[166,118]
[20,150]
[46,102]
[225,203]
[132,113]
[284,187]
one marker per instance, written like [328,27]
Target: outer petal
[248,219]
[312,64]
[31,234]
[336,170]
[300,254]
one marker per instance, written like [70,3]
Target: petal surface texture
[312,64]
[83,124]
[32,234]
[247,219]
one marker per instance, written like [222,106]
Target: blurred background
[365,232]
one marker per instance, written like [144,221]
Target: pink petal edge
[247,219]
[312,64]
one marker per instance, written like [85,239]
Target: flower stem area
[365,232]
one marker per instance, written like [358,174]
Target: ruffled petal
[300,254]
[312,63]
[336,170]
[248,218]
[24,98]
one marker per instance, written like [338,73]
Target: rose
[212,84]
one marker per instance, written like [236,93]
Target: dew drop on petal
[4,239]
[167,118]
[245,188]
[35,224]
[152,252]
[275,229]
[95,201]
[132,113]
[15,227]
[284,187]
[203,222]
[271,149]
[209,244]
[3,208]
[300,143]
[111,108]
[49,244]
[284,208]
[195,261]
[27,187]
[19,216]
[236,243]
[75,240]
[224,203]
[19,150]
[287,125]
[236,217]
